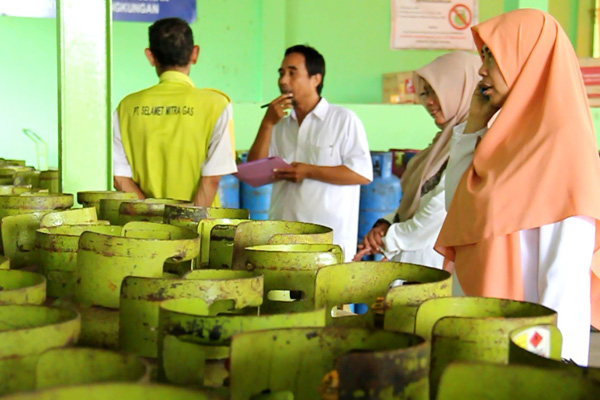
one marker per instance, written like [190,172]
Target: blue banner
[151,10]
[123,10]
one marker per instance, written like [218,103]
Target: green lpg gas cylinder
[92,198]
[192,333]
[19,231]
[36,204]
[142,249]
[151,210]
[473,329]
[290,271]
[129,391]
[367,281]
[57,248]
[540,346]
[49,180]
[26,331]
[254,233]
[188,216]
[373,364]
[523,382]
[22,287]
[141,297]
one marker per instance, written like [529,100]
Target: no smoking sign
[433,24]
[460,17]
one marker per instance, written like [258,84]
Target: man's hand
[274,114]
[207,189]
[372,242]
[338,175]
[277,107]
[296,173]
[125,184]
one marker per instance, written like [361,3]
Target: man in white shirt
[326,146]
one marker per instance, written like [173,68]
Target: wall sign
[433,24]
[122,10]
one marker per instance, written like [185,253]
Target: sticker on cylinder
[535,340]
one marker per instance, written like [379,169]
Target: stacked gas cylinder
[16,177]
[158,299]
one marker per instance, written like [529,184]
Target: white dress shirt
[329,136]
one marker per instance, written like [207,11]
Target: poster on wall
[433,24]
[122,10]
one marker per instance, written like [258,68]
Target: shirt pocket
[327,155]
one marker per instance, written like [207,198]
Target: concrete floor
[595,350]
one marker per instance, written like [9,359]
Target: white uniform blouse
[412,241]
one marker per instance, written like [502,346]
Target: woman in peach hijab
[445,87]
[525,194]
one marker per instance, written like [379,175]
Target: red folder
[260,172]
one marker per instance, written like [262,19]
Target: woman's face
[493,82]
[432,104]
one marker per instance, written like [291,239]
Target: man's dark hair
[171,42]
[314,61]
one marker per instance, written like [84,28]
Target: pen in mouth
[268,104]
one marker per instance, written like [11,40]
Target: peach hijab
[536,165]
[453,77]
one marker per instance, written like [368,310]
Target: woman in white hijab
[445,88]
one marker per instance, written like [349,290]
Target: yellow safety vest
[165,131]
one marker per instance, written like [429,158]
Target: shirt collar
[320,110]
[175,76]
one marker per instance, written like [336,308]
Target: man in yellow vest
[173,140]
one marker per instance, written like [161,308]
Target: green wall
[28,95]
[229,35]
[242,43]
